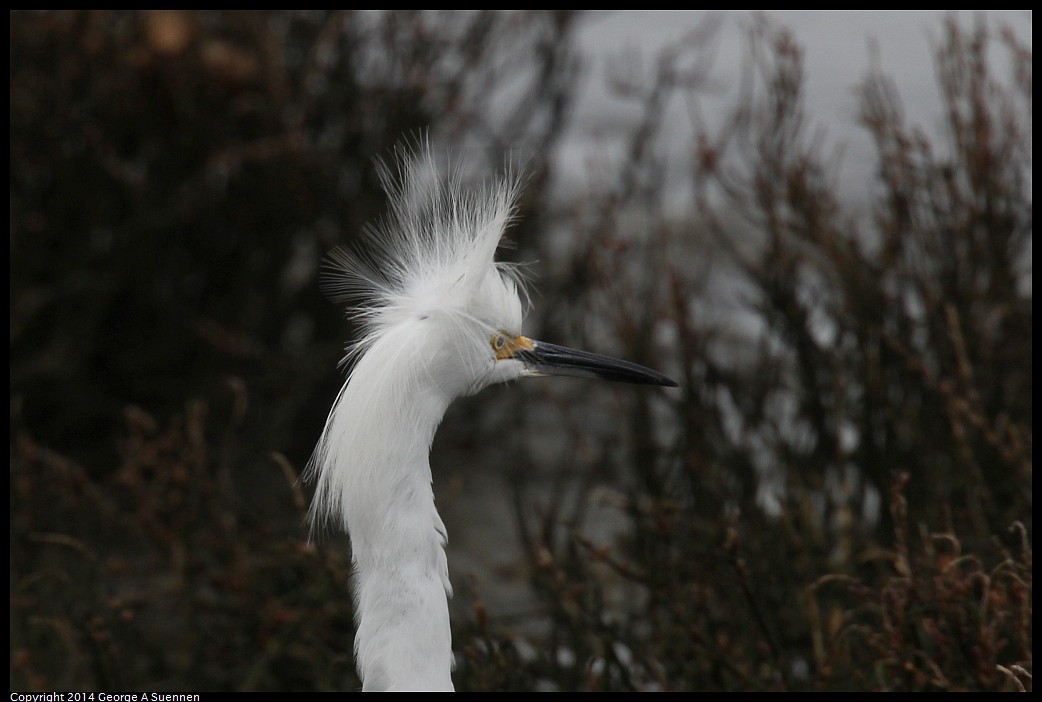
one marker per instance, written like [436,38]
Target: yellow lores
[506,346]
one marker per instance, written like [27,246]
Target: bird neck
[374,472]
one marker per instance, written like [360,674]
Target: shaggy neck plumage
[374,473]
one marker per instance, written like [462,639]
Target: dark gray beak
[550,359]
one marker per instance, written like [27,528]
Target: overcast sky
[838,51]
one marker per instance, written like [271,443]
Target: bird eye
[499,340]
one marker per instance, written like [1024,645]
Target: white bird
[440,319]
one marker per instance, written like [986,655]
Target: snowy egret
[440,319]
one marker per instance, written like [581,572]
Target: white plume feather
[432,252]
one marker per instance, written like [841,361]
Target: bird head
[424,282]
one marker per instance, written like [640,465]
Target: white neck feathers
[374,476]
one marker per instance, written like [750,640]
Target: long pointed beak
[542,358]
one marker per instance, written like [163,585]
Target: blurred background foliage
[838,496]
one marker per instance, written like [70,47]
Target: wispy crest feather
[430,252]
